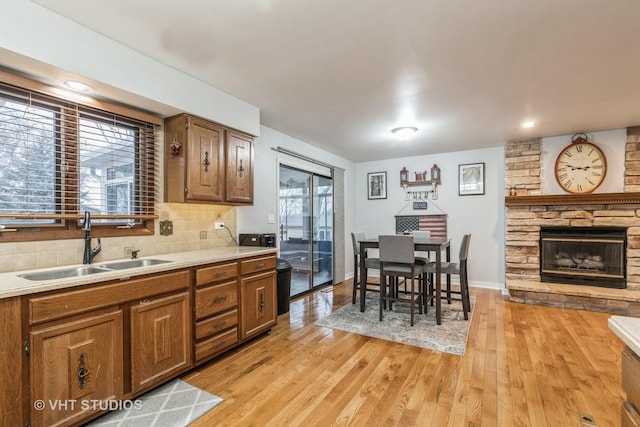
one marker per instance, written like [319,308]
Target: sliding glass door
[306,227]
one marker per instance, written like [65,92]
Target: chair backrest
[397,249]
[464,247]
[355,239]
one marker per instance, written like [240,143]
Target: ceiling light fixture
[528,124]
[404,132]
[77,86]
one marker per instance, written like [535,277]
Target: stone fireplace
[530,213]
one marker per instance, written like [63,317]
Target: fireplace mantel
[573,199]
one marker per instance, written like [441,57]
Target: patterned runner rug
[449,337]
[175,404]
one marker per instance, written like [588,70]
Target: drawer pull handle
[206,161]
[219,344]
[260,265]
[221,273]
[220,324]
[83,372]
[219,299]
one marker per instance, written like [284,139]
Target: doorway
[306,227]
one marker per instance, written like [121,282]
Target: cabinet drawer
[630,375]
[64,304]
[216,273]
[217,344]
[216,324]
[257,264]
[215,299]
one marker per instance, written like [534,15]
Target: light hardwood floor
[525,365]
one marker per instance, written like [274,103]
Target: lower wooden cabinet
[259,307]
[630,375]
[115,340]
[160,340]
[73,363]
[216,309]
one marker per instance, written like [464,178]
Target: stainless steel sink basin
[133,263]
[61,274]
[91,269]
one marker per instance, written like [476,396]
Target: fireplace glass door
[583,255]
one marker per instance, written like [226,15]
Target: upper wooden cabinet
[239,178]
[206,163]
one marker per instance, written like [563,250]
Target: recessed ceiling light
[404,132]
[77,86]
[528,124]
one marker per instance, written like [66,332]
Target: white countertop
[628,330]
[12,285]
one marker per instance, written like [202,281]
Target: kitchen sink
[91,269]
[133,263]
[61,274]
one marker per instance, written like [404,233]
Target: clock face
[580,167]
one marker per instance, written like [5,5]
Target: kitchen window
[60,159]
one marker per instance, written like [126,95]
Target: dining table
[422,244]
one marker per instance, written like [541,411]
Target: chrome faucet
[89,253]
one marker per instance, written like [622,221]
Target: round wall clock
[580,166]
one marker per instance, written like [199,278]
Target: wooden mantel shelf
[573,199]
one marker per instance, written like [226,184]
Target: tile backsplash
[188,221]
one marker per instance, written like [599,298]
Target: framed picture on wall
[377,185]
[471,179]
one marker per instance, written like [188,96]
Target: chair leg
[464,291]
[356,267]
[424,289]
[411,300]
[431,290]
[383,287]
[448,289]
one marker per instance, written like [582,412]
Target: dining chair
[397,259]
[422,257]
[369,262]
[458,268]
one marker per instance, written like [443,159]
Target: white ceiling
[340,74]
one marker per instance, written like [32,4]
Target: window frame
[68,224]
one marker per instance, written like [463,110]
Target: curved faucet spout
[86,224]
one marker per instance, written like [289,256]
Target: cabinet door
[160,340]
[72,363]
[205,172]
[239,168]
[258,299]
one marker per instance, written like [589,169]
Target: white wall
[611,142]
[480,215]
[253,219]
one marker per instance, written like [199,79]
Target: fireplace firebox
[594,256]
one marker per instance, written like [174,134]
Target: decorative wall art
[377,185]
[471,179]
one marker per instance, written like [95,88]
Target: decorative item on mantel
[421,180]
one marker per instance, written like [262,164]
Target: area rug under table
[449,337]
[175,404]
